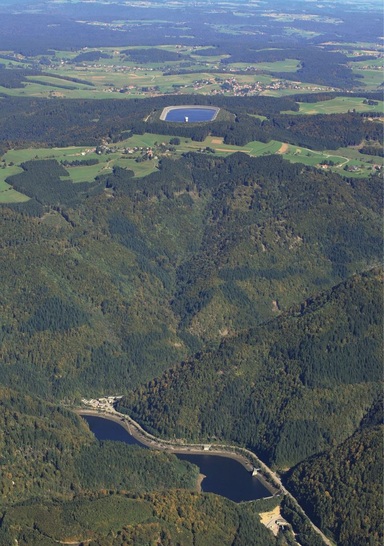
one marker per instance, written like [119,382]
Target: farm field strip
[379,63]
[58,82]
[288,65]
[372,79]
[138,144]
[339,105]
[293,87]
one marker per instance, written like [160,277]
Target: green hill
[48,452]
[59,484]
[108,285]
[342,489]
[105,288]
[289,388]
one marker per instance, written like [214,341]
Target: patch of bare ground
[200,478]
[269,519]
[283,149]
[226,149]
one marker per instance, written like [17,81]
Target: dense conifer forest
[341,487]
[196,252]
[32,122]
[319,363]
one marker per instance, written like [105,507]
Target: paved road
[244,456]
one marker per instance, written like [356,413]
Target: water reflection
[224,476]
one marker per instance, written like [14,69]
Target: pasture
[341,159]
[9,195]
[339,105]
[293,88]
[288,65]
[132,154]
[372,78]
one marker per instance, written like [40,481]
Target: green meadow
[159,143]
[288,65]
[294,88]
[342,158]
[339,105]
[371,78]
[57,82]
[9,195]
[361,65]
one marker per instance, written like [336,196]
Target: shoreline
[168,109]
[199,481]
[151,442]
[159,444]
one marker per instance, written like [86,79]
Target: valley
[221,274]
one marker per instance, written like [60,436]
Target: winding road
[247,458]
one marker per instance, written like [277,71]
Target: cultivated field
[133,154]
[339,105]
[119,76]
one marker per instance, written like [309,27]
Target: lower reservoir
[189,114]
[223,475]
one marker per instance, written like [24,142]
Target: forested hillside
[58,484]
[110,518]
[105,287]
[32,122]
[48,452]
[63,123]
[343,488]
[289,388]
[108,284]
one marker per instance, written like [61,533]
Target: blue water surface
[224,476]
[194,114]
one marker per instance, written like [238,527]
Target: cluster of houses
[145,152]
[107,403]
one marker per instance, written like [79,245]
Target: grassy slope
[339,105]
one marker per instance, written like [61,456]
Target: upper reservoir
[189,114]
[224,476]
